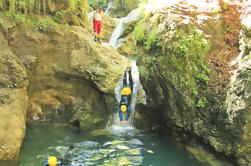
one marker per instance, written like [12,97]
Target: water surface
[113,146]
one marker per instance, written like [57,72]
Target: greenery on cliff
[44,14]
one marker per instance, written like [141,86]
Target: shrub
[152,40]
[201,102]
[139,32]
[43,25]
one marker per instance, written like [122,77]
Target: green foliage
[42,25]
[15,17]
[7,14]
[229,29]
[151,40]
[19,17]
[185,58]
[225,6]
[202,78]
[139,32]
[150,66]
[1,21]
[72,4]
[183,81]
[23,6]
[143,72]
[201,102]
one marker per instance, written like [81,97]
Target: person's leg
[99,30]
[130,79]
[95,27]
[125,79]
[128,112]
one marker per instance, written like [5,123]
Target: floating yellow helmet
[126,91]
[52,161]
[123,108]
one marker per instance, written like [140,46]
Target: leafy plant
[151,40]
[225,6]
[1,21]
[23,6]
[202,77]
[143,72]
[229,29]
[42,25]
[19,17]
[201,102]
[139,32]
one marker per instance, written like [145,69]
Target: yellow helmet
[52,161]
[126,91]
[123,108]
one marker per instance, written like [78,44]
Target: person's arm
[46,162]
[128,112]
[102,15]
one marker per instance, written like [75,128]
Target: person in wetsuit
[125,102]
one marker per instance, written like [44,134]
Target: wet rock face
[181,112]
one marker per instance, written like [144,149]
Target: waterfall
[118,89]
[117,127]
[107,11]
[132,16]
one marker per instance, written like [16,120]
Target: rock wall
[182,103]
[60,75]
[13,101]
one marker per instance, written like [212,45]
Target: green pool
[113,146]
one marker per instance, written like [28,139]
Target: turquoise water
[113,146]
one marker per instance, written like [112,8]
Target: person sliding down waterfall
[98,16]
[125,102]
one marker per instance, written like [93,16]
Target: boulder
[128,47]
[13,105]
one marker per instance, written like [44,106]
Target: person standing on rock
[98,16]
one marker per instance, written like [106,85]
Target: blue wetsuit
[46,162]
[125,100]
[128,111]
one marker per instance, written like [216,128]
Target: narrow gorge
[191,64]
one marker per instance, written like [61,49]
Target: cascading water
[107,11]
[115,42]
[118,89]
[132,16]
